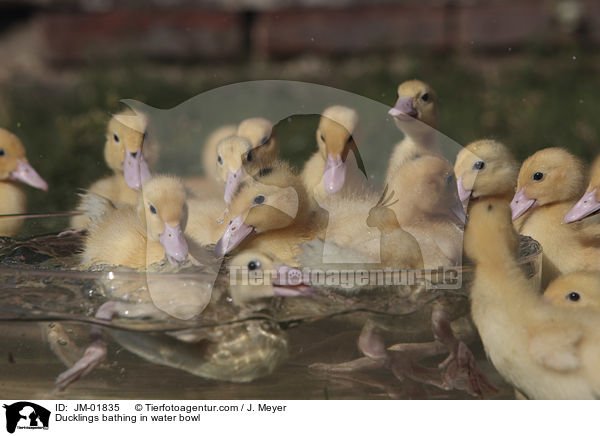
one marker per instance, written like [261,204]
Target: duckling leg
[460,369]
[94,353]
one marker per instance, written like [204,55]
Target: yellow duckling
[549,184]
[333,169]
[430,209]
[14,167]
[130,155]
[486,168]
[416,115]
[544,351]
[589,204]
[580,290]
[136,236]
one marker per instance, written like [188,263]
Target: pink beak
[521,204]
[26,174]
[231,184]
[233,236]
[174,243]
[584,207]
[463,193]
[135,169]
[334,174]
[290,283]
[403,109]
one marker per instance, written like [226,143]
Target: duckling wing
[557,348]
[94,205]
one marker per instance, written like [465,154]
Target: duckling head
[255,275]
[231,154]
[123,149]
[335,138]
[162,207]
[590,202]
[417,101]
[265,146]
[485,168]
[257,208]
[549,176]
[14,164]
[575,290]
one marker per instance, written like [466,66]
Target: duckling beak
[231,184]
[584,207]
[174,243]
[290,283]
[463,193]
[404,109]
[521,204]
[233,236]
[135,169]
[26,174]
[334,174]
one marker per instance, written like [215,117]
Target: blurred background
[522,71]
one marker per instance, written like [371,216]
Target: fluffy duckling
[576,290]
[430,209]
[14,167]
[486,168]
[416,115]
[550,182]
[136,236]
[589,204]
[130,155]
[544,351]
[333,169]
[271,213]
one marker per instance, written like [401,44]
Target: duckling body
[14,168]
[141,235]
[544,351]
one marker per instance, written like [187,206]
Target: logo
[26,415]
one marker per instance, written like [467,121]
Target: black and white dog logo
[26,415]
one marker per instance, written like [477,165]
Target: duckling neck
[13,198]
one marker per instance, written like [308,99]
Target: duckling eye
[259,199]
[249,156]
[145,134]
[153,210]
[425,97]
[264,140]
[573,296]
[220,160]
[116,137]
[449,179]
[253,264]
[538,176]
[349,140]
[2,152]
[479,165]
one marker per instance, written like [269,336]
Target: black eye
[349,140]
[479,165]
[322,138]
[573,296]
[220,160]
[116,137]
[449,179]
[538,176]
[153,209]
[2,152]
[249,156]
[259,199]
[264,140]
[253,264]
[425,97]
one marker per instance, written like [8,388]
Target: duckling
[14,166]
[130,155]
[333,168]
[579,290]
[136,236]
[544,351]
[549,183]
[416,115]
[430,209]
[589,204]
[484,168]
[271,213]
